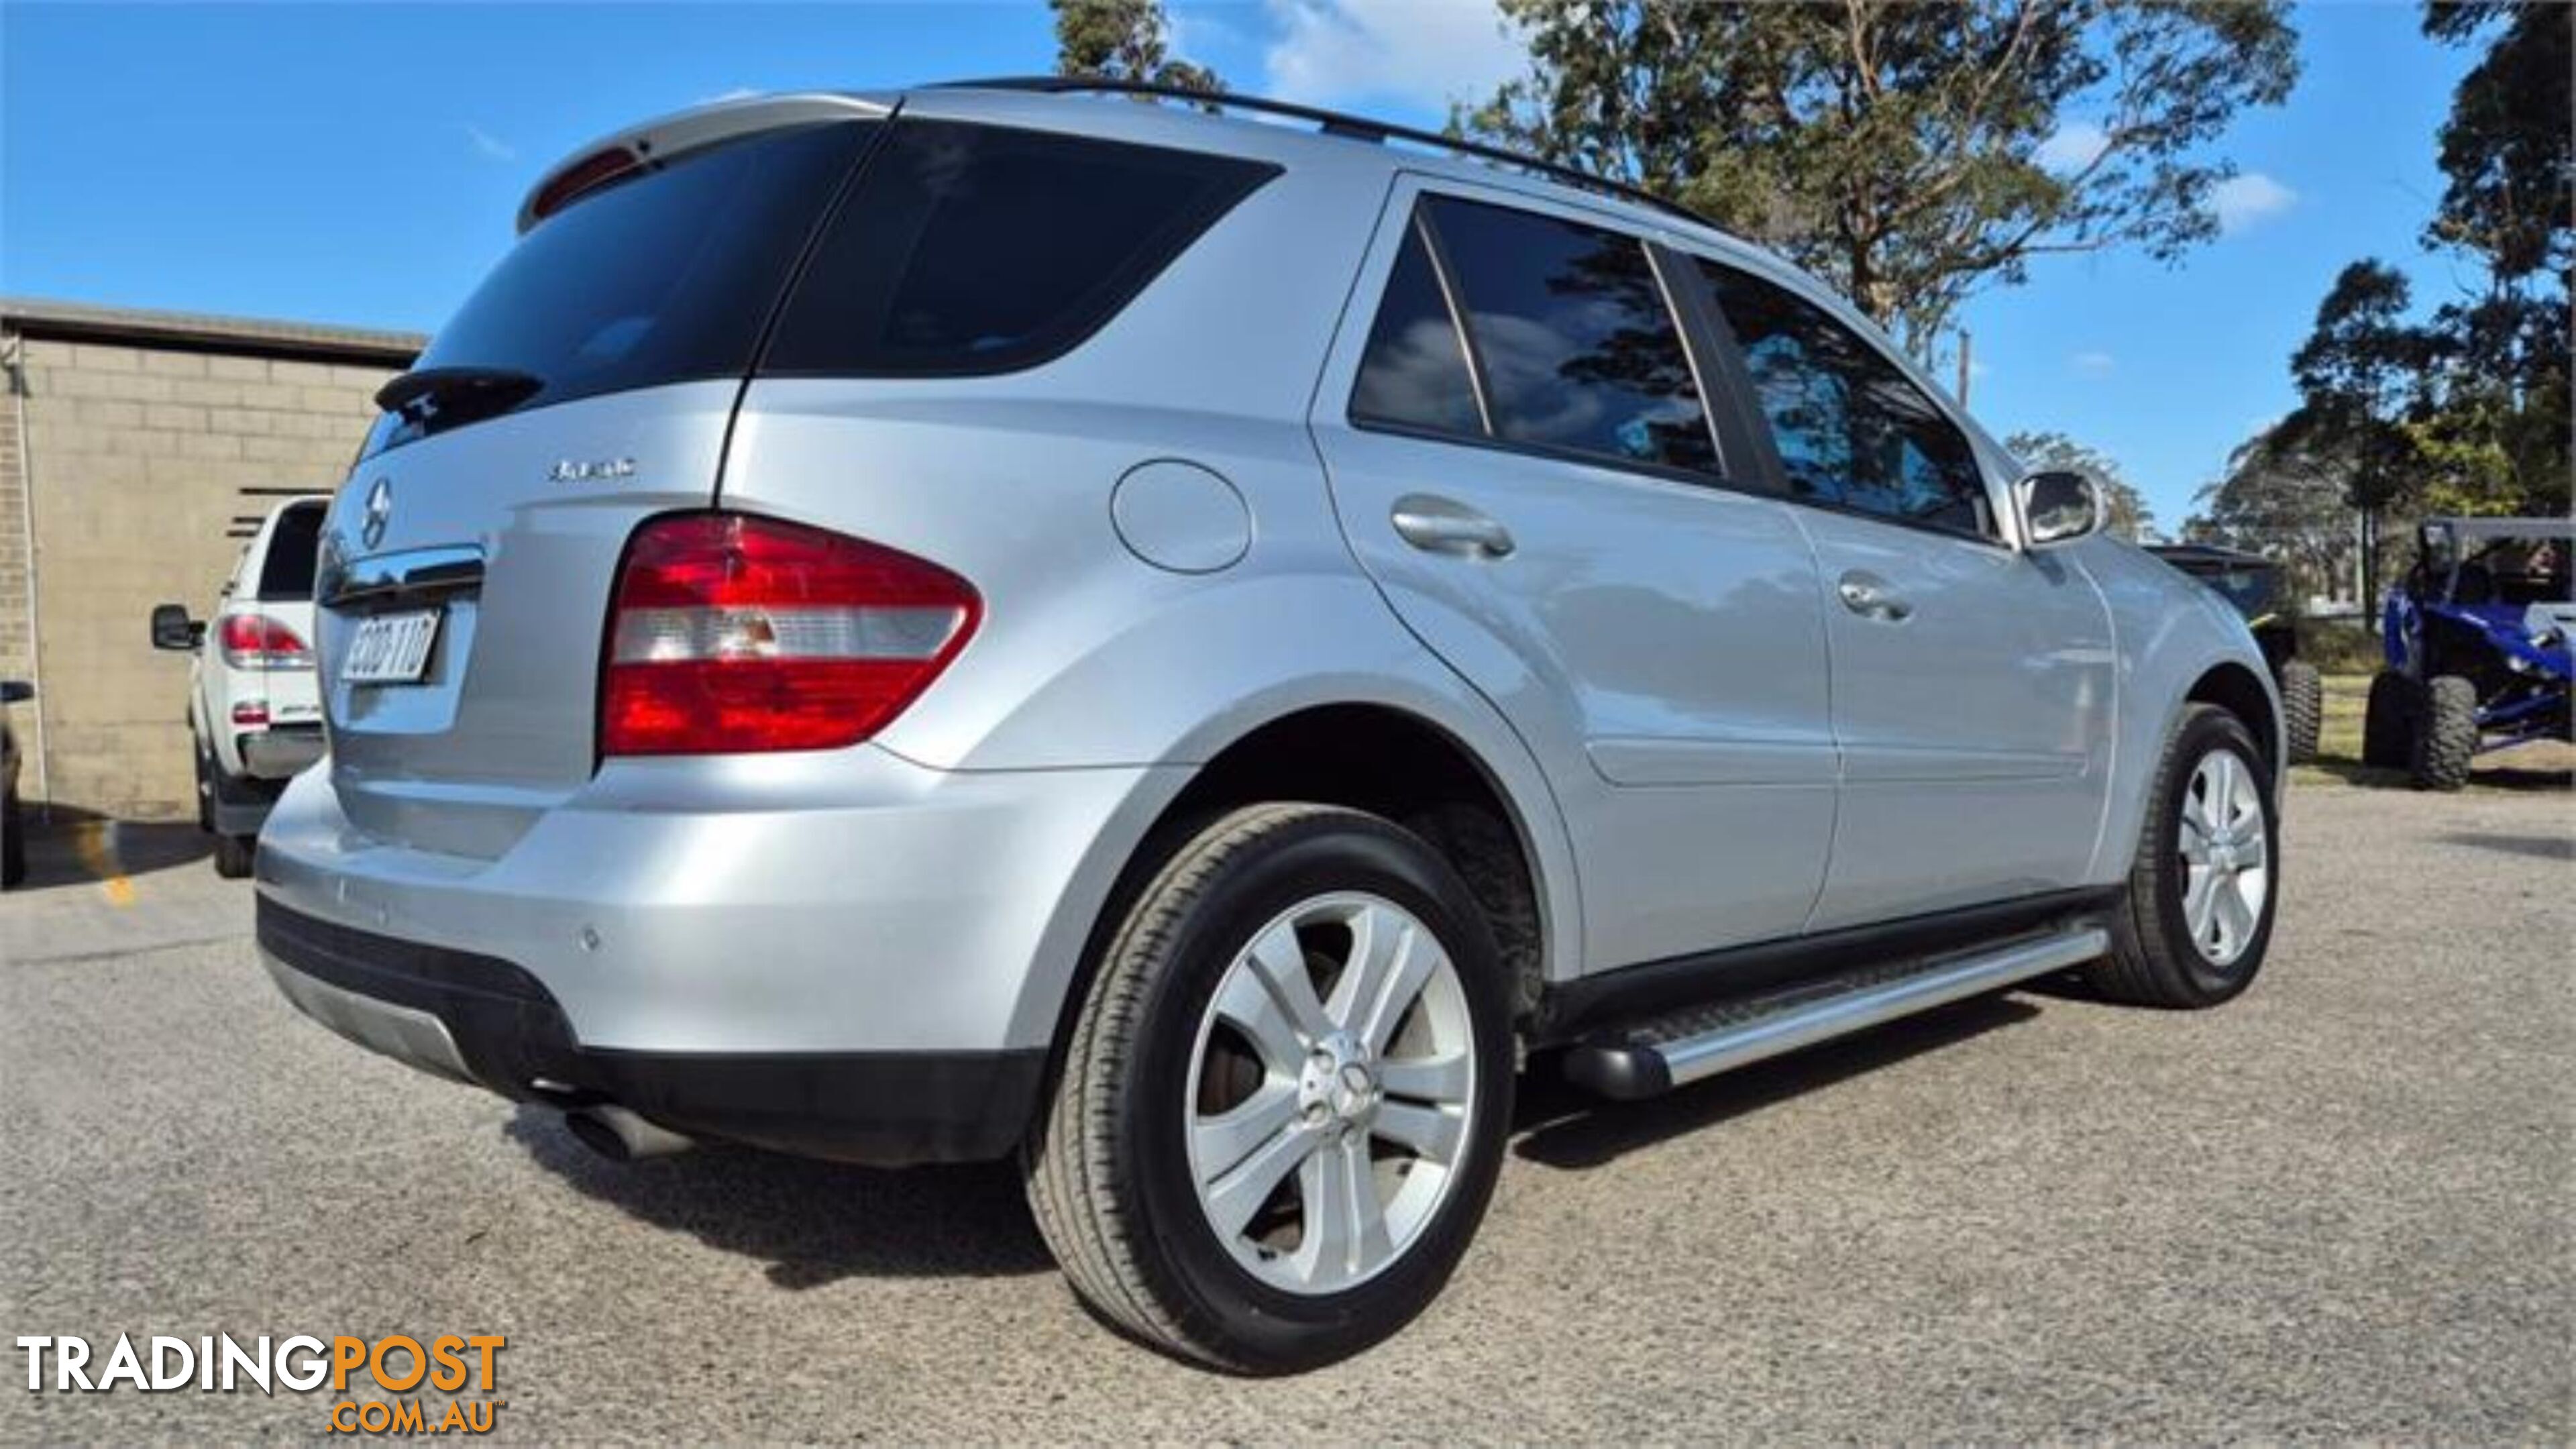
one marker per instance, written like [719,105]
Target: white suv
[936,625]
[252,706]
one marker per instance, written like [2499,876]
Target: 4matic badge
[590,470]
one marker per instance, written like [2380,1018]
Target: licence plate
[391,648]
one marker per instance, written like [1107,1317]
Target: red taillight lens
[256,641]
[734,634]
[251,712]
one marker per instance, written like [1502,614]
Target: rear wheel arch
[1386,760]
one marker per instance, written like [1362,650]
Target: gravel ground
[2339,1208]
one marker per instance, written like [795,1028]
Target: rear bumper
[280,750]
[484,1021]
[756,906]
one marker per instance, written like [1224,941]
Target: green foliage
[2361,378]
[2283,496]
[1903,150]
[2465,411]
[2131,517]
[1122,40]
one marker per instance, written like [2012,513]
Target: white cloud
[489,146]
[2241,201]
[1424,52]
[2094,364]
[2072,147]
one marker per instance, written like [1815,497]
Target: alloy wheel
[2226,853]
[1331,1090]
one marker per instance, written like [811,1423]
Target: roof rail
[1332,123]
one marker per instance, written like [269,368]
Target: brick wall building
[137,452]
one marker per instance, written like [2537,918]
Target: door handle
[1441,525]
[1870,596]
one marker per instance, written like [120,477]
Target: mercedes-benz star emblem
[380,510]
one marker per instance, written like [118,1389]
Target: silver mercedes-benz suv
[1194,649]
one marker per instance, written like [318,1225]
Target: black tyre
[205,789]
[2303,707]
[2197,918]
[13,842]
[2388,721]
[2446,734]
[233,855]
[1284,1103]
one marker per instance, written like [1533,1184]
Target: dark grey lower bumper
[482,1020]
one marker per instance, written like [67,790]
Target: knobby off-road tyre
[2388,721]
[2446,734]
[2197,916]
[2303,704]
[1126,1168]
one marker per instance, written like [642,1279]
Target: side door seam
[1333,346]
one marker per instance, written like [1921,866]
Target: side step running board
[1659,1055]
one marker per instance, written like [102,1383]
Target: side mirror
[173,629]
[2060,507]
[16,691]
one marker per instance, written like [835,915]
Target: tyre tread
[1068,1161]
[2446,734]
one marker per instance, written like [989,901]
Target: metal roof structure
[195,331]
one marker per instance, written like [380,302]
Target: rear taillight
[251,713]
[733,634]
[256,641]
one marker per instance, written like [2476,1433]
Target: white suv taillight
[732,633]
[256,641]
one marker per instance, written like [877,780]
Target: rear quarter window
[968,249]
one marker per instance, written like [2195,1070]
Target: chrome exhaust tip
[621,1136]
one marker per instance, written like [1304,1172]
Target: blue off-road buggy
[2477,644]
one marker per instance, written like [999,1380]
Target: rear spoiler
[638,147]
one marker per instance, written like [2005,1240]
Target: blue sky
[360,164]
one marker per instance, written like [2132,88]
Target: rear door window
[1577,347]
[968,249]
[1851,430]
[666,276]
[293,548]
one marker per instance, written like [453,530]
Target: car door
[1972,681]
[1519,453]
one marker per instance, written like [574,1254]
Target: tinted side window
[1851,430]
[1415,371]
[293,549]
[978,249]
[1577,346]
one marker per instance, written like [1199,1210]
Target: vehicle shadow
[815,1223]
[812,1223]
[1559,1125]
[78,847]
[2538,847]
[2490,777]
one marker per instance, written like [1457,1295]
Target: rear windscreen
[665,277]
[287,572]
[969,249]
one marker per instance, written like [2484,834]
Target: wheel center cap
[1338,1085]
